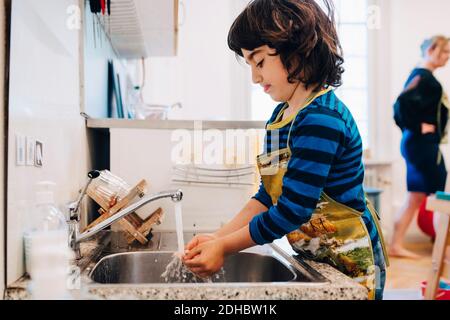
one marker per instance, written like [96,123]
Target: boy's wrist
[217,234]
[225,244]
[237,241]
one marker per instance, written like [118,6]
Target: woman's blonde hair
[433,42]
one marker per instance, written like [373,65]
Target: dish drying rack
[112,194]
[233,176]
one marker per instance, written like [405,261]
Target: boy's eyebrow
[251,55]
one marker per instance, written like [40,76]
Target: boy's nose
[256,78]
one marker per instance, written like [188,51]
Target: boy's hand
[198,239]
[206,258]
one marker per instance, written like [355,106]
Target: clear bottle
[47,254]
[50,258]
[51,217]
[45,217]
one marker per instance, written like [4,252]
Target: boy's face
[269,72]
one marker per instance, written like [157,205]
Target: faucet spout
[175,195]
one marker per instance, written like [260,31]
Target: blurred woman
[421,111]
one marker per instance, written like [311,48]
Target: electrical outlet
[39,152]
[31,147]
[20,150]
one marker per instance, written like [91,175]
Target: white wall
[2,147]
[44,104]
[205,207]
[205,75]
[409,22]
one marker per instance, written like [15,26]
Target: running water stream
[179,228]
[176,271]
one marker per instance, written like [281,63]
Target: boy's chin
[276,98]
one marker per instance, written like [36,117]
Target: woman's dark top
[425,166]
[422,104]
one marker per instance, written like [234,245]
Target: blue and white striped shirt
[326,156]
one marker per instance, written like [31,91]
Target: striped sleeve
[263,197]
[315,141]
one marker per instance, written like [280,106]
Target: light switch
[31,145]
[20,150]
[39,151]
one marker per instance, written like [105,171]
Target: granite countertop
[338,287]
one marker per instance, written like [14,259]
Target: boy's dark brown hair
[302,34]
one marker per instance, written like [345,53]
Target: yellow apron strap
[280,114]
[380,232]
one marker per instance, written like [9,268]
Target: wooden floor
[407,273]
[404,276]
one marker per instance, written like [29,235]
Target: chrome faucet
[74,228]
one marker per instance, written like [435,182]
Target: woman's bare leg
[402,223]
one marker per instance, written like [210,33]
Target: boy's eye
[259,65]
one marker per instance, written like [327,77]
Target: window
[352,28]
[353,33]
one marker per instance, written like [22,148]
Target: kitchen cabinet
[143,28]
[159,21]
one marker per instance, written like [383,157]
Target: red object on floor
[441,294]
[425,220]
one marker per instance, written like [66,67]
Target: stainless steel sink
[147,267]
[122,263]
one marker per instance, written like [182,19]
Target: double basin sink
[148,267]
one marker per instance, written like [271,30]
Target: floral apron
[336,234]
